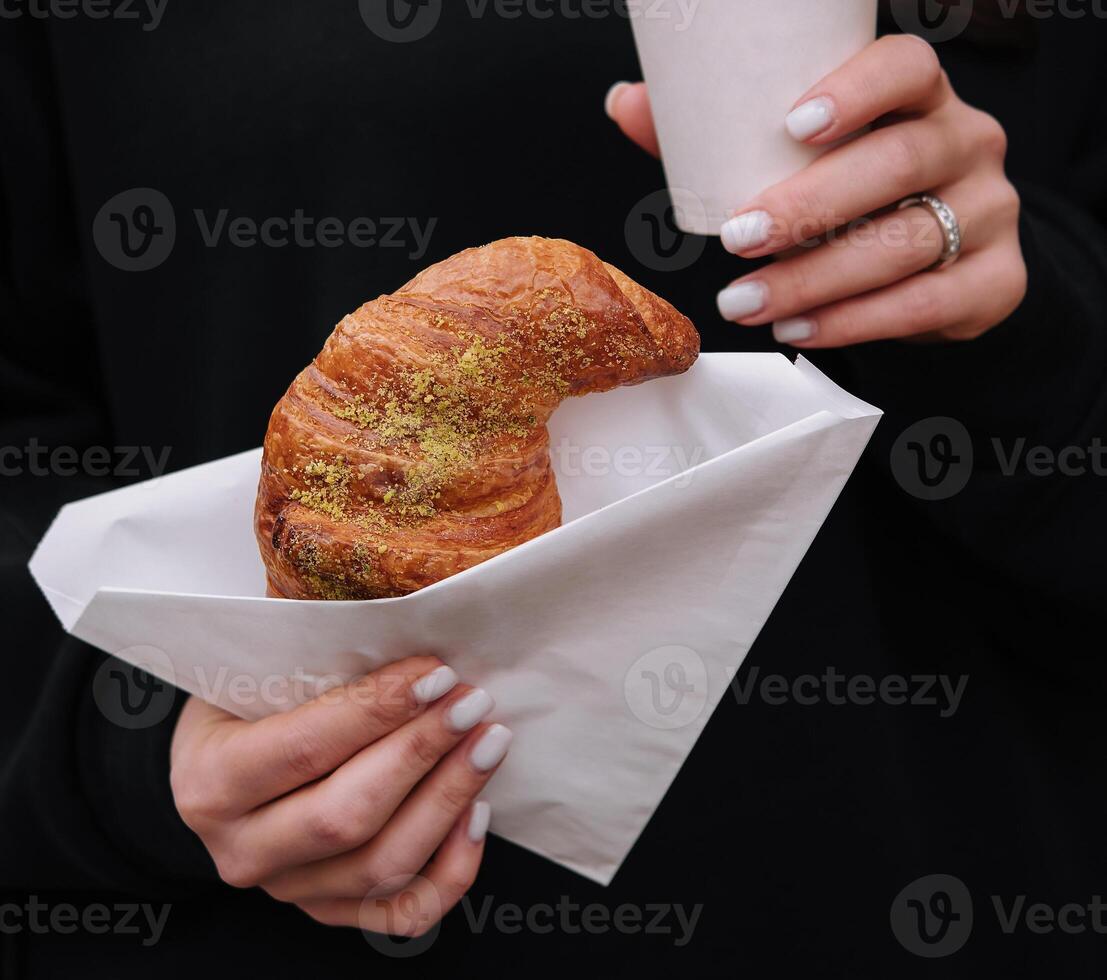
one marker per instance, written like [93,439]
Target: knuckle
[1008,200]
[917,54]
[376,869]
[422,751]
[454,797]
[802,209]
[844,323]
[304,753]
[457,884]
[236,871]
[1014,283]
[903,157]
[795,284]
[926,306]
[200,801]
[330,828]
[926,63]
[386,706]
[991,137]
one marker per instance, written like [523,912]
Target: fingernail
[469,710]
[433,685]
[612,98]
[807,120]
[746,231]
[794,331]
[490,750]
[479,818]
[743,299]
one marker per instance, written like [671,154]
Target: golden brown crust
[415,445]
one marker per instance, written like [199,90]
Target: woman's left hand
[869,273]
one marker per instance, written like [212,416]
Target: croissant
[415,445]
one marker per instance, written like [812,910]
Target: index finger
[267,758]
[899,73]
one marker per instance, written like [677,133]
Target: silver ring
[947,221]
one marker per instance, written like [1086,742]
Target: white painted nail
[469,710]
[794,330]
[433,685]
[747,231]
[612,97]
[492,747]
[813,117]
[479,818]
[742,300]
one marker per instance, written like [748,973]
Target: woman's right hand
[367,792]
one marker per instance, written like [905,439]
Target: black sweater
[792,827]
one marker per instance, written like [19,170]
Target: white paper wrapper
[607,643]
[722,75]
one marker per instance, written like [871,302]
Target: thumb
[628,104]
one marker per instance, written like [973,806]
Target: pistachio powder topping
[476,392]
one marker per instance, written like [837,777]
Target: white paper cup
[722,75]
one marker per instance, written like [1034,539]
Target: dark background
[794,826]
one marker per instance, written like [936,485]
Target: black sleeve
[84,793]
[1031,393]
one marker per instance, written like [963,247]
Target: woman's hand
[348,797]
[869,279]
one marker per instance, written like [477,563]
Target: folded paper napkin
[607,643]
